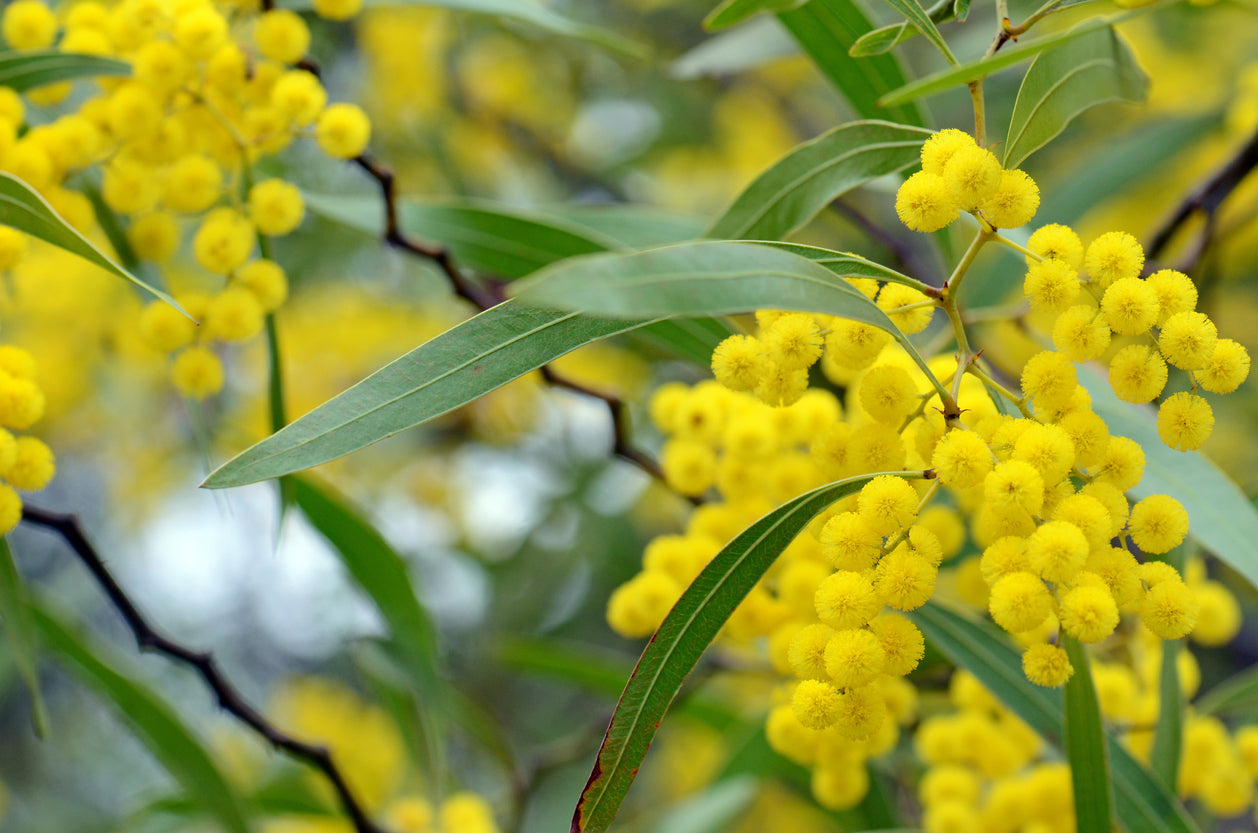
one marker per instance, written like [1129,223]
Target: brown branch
[148,639]
[1207,198]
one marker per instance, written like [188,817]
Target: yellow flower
[1015,201]
[1113,256]
[1089,613]
[1047,665]
[940,147]
[1056,242]
[1019,601]
[972,175]
[1051,285]
[887,504]
[343,131]
[1188,340]
[816,704]
[1158,524]
[197,373]
[1057,550]
[1130,306]
[888,393]
[1185,421]
[854,657]
[846,599]
[1169,610]
[1226,369]
[1137,374]
[924,202]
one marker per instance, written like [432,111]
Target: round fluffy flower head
[807,651]
[1219,618]
[861,711]
[165,328]
[337,9]
[895,297]
[949,782]
[1049,449]
[1169,609]
[1089,434]
[848,543]
[972,175]
[781,386]
[1137,374]
[855,345]
[154,236]
[1158,524]
[854,657]
[1019,602]
[737,362]
[1113,256]
[887,504]
[265,280]
[1015,201]
[299,96]
[689,466]
[1056,242]
[846,599]
[12,247]
[876,447]
[1002,557]
[224,241]
[905,581]
[1185,421]
[192,184]
[839,787]
[1226,368]
[1130,306]
[17,362]
[924,202]
[276,206]
[1188,340]
[1051,285]
[28,24]
[1014,486]
[1088,613]
[197,373]
[888,393]
[1176,292]
[940,147]
[637,607]
[1122,464]
[233,315]
[1089,515]
[200,31]
[343,131]
[815,704]
[281,35]
[32,467]
[1049,379]
[21,402]
[1047,665]
[1057,550]
[961,459]
[903,645]
[793,341]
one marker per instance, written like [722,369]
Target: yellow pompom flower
[848,543]
[861,711]
[887,504]
[846,599]
[940,147]
[28,24]
[192,184]
[1014,486]
[165,328]
[924,202]
[781,386]
[1158,524]
[1047,665]
[816,704]
[1019,602]
[1049,379]
[738,362]
[224,241]
[21,402]
[1015,201]
[1226,369]
[1219,617]
[793,341]
[200,31]
[1051,285]
[1089,613]
[1113,256]
[233,315]
[888,393]
[343,131]
[854,657]
[337,9]
[637,607]
[1176,292]
[855,344]
[1185,421]
[1119,570]
[197,373]
[1089,515]
[1057,550]
[905,581]
[1137,374]
[161,65]
[299,97]
[1056,242]
[10,509]
[265,280]
[1188,340]
[32,467]
[1049,449]
[281,35]
[129,187]
[1169,610]
[276,208]
[17,362]
[893,300]
[903,645]
[689,466]
[961,459]
[1089,434]
[1002,557]
[154,236]
[1122,464]
[806,653]
[12,247]
[972,175]
[1130,306]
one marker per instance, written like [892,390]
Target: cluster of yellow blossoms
[213,91]
[26,463]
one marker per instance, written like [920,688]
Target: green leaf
[156,723]
[1142,803]
[492,238]
[378,569]
[811,176]
[526,11]
[730,12]
[19,632]
[627,225]
[682,638]
[22,207]
[1168,737]
[26,70]
[741,49]
[712,810]
[915,14]
[881,40]
[1063,82]
[978,68]
[1237,695]
[1086,746]
[826,29]
[693,339]
[961,10]
[1220,517]
[458,366]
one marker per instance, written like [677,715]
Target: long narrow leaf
[1086,746]
[1168,737]
[679,643]
[456,367]
[742,48]
[1237,694]
[735,11]
[26,70]
[1063,82]
[19,632]
[811,176]
[22,207]
[916,15]
[1141,802]
[156,723]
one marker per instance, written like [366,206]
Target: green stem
[986,379]
[980,112]
[1005,241]
[965,357]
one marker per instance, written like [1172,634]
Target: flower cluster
[214,90]
[26,463]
